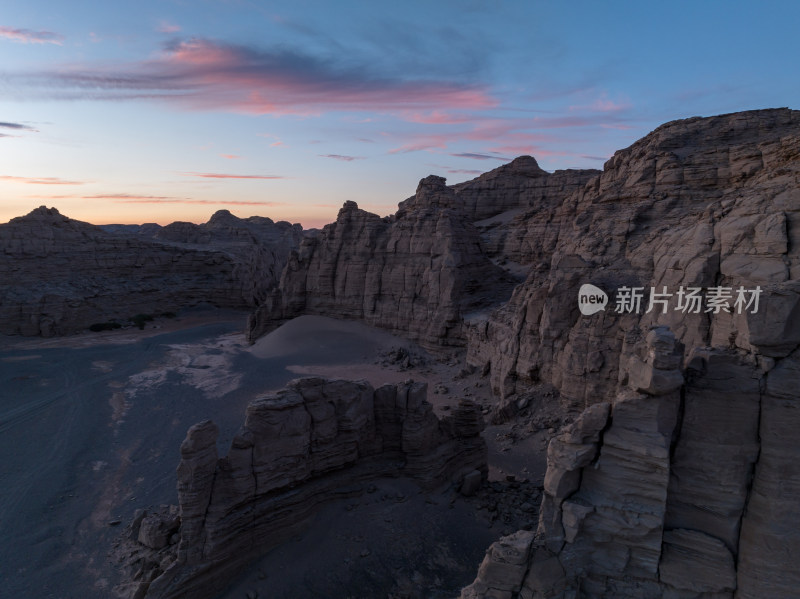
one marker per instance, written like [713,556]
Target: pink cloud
[167,27]
[39,180]
[203,74]
[435,117]
[464,171]
[125,198]
[423,142]
[111,196]
[230,176]
[341,157]
[275,143]
[603,104]
[619,126]
[26,36]
[201,202]
[230,156]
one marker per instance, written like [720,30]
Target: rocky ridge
[426,270]
[314,441]
[61,275]
[416,273]
[680,477]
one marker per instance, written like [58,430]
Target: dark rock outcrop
[314,441]
[60,275]
[419,273]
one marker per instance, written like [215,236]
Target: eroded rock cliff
[697,203]
[418,273]
[439,261]
[680,477]
[314,441]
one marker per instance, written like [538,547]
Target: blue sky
[162,111]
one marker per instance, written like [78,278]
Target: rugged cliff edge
[702,202]
[314,441]
[680,478]
[59,275]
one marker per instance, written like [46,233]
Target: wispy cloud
[39,180]
[206,74]
[436,117]
[464,171]
[231,156]
[127,198]
[107,196]
[341,157]
[200,202]
[602,104]
[423,142]
[230,176]
[17,127]
[26,36]
[476,156]
[167,27]
[274,144]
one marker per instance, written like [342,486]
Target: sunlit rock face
[701,202]
[680,478]
[59,275]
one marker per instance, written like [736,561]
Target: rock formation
[696,203]
[311,442]
[418,273]
[60,275]
[426,270]
[680,479]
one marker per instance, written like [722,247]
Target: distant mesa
[62,275]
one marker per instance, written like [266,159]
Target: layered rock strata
[60,275]
[314,441]
[418,273]
[698,203]
[680,478]
[680,489]
[447,255]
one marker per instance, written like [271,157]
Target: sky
[156,111]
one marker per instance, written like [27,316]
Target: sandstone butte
[681,476]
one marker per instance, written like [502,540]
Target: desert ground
[106,413]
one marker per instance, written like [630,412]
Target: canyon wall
[59,275]
[680,478]
[702,203]
[426,270]
[314,441]
[417,273]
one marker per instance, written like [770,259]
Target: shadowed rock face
[311,442]
[61,275]
[424,271]
[417,273]
[681,477]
